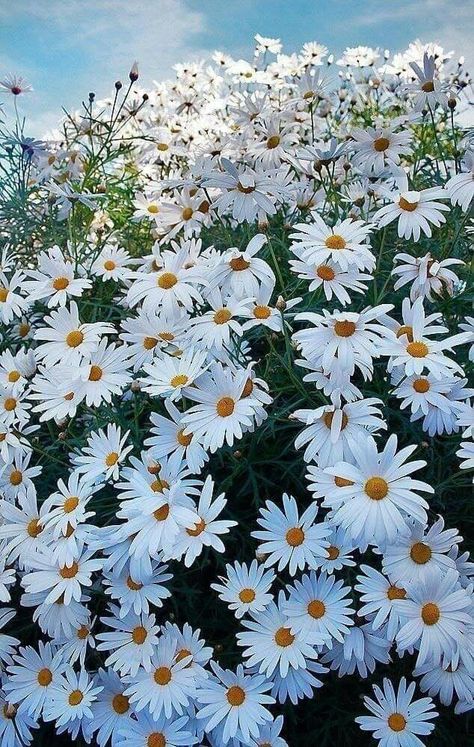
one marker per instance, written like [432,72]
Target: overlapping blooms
[244,223]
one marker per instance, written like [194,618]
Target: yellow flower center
[396,592]
[34,528]
[60,284]
[9,404]
[417,349]
[23,329]
[295,536]
[162,675]
[246,595]
[74,338]
[162,513]
[45,677]
[70,504]
[149,342]
[133,585]
[316,609]
[428,86]
[3,294]
[245,190]
[16,477]
[421,386]
[69,571]
[273,142]
[166,336]
[187,213]
[397,722]
[248,389]
[284,637]
[109,264]
[139,635]
[179,380]
[376,488]
[13,376]
[406,205]
[182,439]
[335,242]
[235,695]
[158,486]
[239,263]
[225,407]
[83,632]
[157,739]
[111,459]
[344,328]
[381,144]
[162,147]
[75,698]
[325,272]
[95,373]
[153,209]
[405,329]
[182,654]
[420,553]
[120,703]
[222,316]
[333,552]
[167,280]
[198,529]
[430,613]
[341,482]
[261,312]
[329,417]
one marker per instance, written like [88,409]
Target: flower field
[236,422]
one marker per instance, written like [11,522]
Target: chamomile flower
[379,597]
[111,711]
[286,539]
[106,373]
[172,285]
[15,728]
[213,329]
[241,273]
[346,244]
[245,589]
[318,608]
[112,264]
[170,375]
[166,686]
[270,643]
[329,276]
[237,700]
[54,279]
[376,148]
[428,89]
[32,677]
[414,211]
[147,730]
[427,276]
[67,507]
[17,476]
[437,616]
[446,681]
[12,303]
[379,497]
[21,528]
[71,698]
[361,649]
[168,438]
[139,592]
[398,719]
[63,582]
[103,455]
[151,331]
[460,187]
[132,641]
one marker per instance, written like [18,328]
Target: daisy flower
[269,735]
[261,313]
[428,90]
[168,438]
[17,476]
[166,686]
[111,711]
[466,455]
[318,608]
[71,698]
[346,244]
[361,649]
[8,644]
[58,392]
[380,496]
[329,276]
[205,532]
[15,84]
[422,552]
[32,678]
[379,597]
[414,211]
[12,303]
[13,407]
[269,642]
[238,700]
[132,641]
[437,617]
[426,275]
[241,272]
[21,528]
[376,148]
[245,589]
[213,329]
[340,550]
[67,507]
[289,540]
[222,412]
[170,375]
[63,582]
[138,592]
[331,430]
[147,730]
[15,728]
[7,578]
[103,455]
[152,331]
[446,681]
[298,683]
[172,284]
[112,264]
[106,373]
[54,279]
[66,340]
[398,719]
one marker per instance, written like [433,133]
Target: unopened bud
[133,74]
[118,85]
[135,386]
[91,96]
[237,454]
[281,303]
[452,102]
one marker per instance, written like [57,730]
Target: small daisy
[166,686]
[379,597]
[397,717]
[236,699]
[61,582]
[71,698]
[66,340]
[152,331]
[460,187]
[168,438]
[138,592]
[106,373]
[446,681]
[245,589]
[132,641]
[54,279]
[361,649]
[437,617]
[12,303]
[466,455]
[112,711]
[376,148]
[169,375]
[147,731]
[112,264]
[379,497]
[32,677]
[346,244]
[241,273]
[318,607]
[21,528]
[413,210]
[330,277]
[103,455]
[290,540]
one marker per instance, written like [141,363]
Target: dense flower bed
[235,424]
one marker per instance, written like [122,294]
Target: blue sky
[67,48]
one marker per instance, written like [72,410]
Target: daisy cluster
[264,251]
